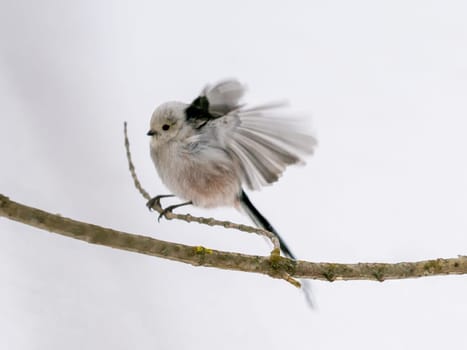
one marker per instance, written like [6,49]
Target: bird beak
[151,133]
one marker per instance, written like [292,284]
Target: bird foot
[169,209]
[156,201]
[165,211]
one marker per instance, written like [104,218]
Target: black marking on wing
[197,113]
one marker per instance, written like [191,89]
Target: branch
[274,266]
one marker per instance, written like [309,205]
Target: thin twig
[132,167]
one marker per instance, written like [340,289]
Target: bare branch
[274,266]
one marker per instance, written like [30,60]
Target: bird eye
[165,127]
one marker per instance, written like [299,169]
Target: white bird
[206,151]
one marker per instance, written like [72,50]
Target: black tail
[261,221]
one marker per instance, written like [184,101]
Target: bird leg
[157,200]
[172,207]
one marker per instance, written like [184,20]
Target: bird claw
[170,208]
[157,201]
[165,211]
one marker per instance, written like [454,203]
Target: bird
[208,151]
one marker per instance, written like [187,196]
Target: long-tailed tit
[206,151]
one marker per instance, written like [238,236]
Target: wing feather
[262,141]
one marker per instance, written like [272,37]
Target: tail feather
[262,222]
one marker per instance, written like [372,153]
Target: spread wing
[266,142]
[261,140]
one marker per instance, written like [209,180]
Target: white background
[385,84]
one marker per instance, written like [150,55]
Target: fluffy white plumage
[206,151]
[208,155]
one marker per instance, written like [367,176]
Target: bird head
[166,122]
